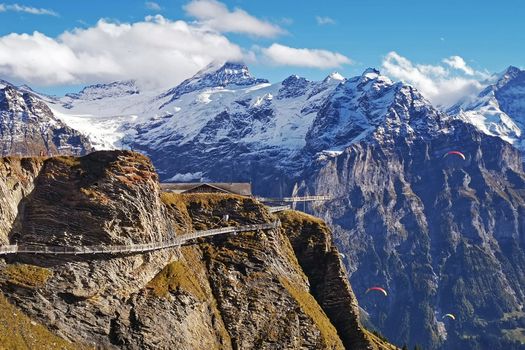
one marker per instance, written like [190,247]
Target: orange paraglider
[457,153]
[379,289]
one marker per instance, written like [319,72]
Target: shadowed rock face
[312,243]
[250,291]
[28,127]
[441,234]
[17,176]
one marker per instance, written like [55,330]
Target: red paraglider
[458,153]
[379,289]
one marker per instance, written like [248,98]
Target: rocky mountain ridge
[28,126]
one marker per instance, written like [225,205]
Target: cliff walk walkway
[177,241]
[294,199]
[278,208]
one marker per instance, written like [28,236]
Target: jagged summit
[511,71]
[216,75]
[372,74]
[294,80]
[334,76]
[371,108]
[505,77]
[26,87]
[229,68]
[499,109]
[371,71]
[369,74]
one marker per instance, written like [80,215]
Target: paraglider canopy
[450,315]
[457,153]
[379,289]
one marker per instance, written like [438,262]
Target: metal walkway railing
[278,208]
[131,248]
[294,199]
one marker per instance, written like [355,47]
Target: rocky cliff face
[320,260]
[258,290]
[17,177]
[440,234]
[28,127]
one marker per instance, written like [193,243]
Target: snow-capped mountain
[103,111]
[223,115]
[105,91]
[228,115]
[242,120]
[499,110]
[216,75]
[442,234]
[370,104]
[29,127]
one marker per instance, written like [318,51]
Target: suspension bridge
[177,241]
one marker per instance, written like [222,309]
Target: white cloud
[324,20]
[458,63]
[443,85]
[186,177]
[27,9]
[313,58]
[216,15]
[151,5]
[157,52]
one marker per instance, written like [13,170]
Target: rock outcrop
[255,290]
[320,260]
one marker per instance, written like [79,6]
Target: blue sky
[487,35]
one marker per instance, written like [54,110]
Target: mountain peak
[336,76]
[217,74]
[226,73]
[371,73]
[230,67]
[512,70]
[292,79]
[507,75]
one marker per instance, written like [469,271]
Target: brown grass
[380,343]
[299,217]
[176,277]
[67,160]
[310,307]
[27,276]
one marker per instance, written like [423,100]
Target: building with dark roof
[239,188]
